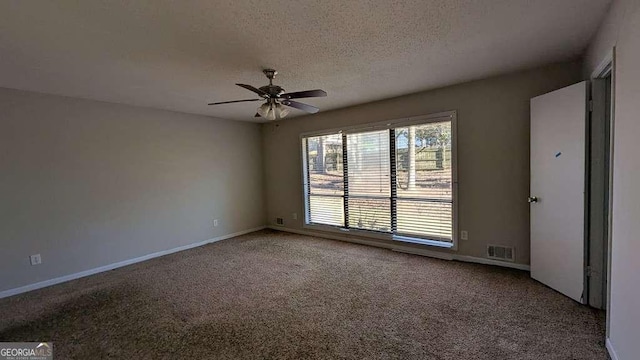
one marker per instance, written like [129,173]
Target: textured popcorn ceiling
[179,55]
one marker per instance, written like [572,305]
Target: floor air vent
[504,253]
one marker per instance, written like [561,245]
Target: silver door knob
[532,199]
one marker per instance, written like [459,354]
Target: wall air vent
[503,253]
[280,221]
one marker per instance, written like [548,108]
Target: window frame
[386,125]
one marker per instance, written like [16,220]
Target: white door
[558,128]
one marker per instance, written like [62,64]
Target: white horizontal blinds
[369,186]
[397,181]
[325,180]
[424,179]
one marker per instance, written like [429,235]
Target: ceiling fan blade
[304,94]
[233,101]
[255,90]
[301,106]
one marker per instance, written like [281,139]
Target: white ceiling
[179,55]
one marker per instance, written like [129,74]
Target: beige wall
[87,183]
[621,29]
[493,152]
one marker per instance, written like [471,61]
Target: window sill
[380,236]
[408,239]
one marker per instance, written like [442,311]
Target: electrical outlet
[464,235]
[215,222]
[294,216]
[35,259]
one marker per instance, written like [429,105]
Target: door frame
[605,69]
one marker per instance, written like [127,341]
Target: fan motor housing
[272,90]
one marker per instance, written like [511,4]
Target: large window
[395,179]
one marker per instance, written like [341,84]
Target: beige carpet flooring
[273,295]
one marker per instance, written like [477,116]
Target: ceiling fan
[276,97]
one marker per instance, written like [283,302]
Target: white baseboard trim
[58,280]
[406,249]
[612,352]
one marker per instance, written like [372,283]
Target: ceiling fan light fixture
[281,111]
[272,111]
[271,115]
[264,109]
[267,111]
